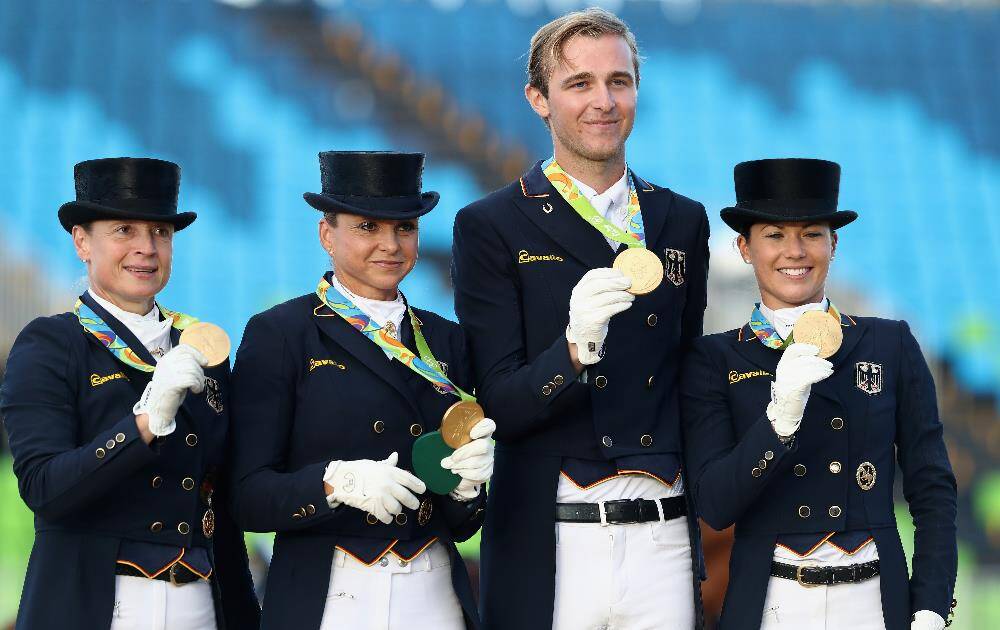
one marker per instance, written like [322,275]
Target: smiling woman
[803,462]
[113,423]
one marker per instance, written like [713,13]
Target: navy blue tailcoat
[879,407]
[86,473]
[518,253]
[307,389]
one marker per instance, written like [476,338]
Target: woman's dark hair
[331,218]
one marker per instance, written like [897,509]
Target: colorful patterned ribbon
[633,236]
[425,365]
[96,326]
[768,336]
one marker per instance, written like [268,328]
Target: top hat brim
[389,208]
[740,218]
[82,212]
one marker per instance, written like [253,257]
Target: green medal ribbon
[425,364]
[634,234]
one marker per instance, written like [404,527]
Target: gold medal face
[458,421]
[820,329]
[208,339]
[642,267]
[865,475]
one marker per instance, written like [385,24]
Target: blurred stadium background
[244,93]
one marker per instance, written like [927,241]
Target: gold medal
[208,523]
[208,339]
[642,267]
[458,421]
[820,329]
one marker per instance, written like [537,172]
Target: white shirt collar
[153,333]
[784,319]
[615,197]
[381,311]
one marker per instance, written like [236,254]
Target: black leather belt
[621,511]
[177,574]
[810,576]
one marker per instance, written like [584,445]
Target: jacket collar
[751,349]
[123,331]
[361,347]
[545,207]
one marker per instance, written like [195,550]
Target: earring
[746,260]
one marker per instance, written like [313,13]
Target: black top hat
[790,189]
[125,188]
[376,184]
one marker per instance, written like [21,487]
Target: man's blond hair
[547,43]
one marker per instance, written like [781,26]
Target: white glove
[926,620]
[597,297]
[797,371]
[379,488]
[180,369]
[472,462]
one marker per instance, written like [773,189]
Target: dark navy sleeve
[488,305]
[464,518]
[267,497]
[719,463]
[693,318]
[928,482]
[56,474]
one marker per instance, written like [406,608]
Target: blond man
[588,523]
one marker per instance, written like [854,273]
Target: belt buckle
[798,575]
[172,572]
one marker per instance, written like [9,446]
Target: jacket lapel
[655,204]
[546,208]
[751,349]
[119,329]
[852,335]
[359,346]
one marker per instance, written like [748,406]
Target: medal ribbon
[768,336]
[425,364]
[633,235]
[96,326]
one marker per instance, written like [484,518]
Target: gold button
[370,518]
[646,440]
[768,455]
[804,511]
[835,467]
[601,382]
[756,472]
[799,470]
[183,528]
[120,438]
[157,481]
[837,423]
[100,453]
[606,441]
[649,383]
[156,527]
[401,519]
[296,515]
[546,390]
[187,483]
[651,320]
[551,384]
[110,444]
[558,379]
[416,429]
[835,511]
[378,426]
[310,509]
[403,563]
[191,439]
[384,562]
[302,512]
[762,464]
